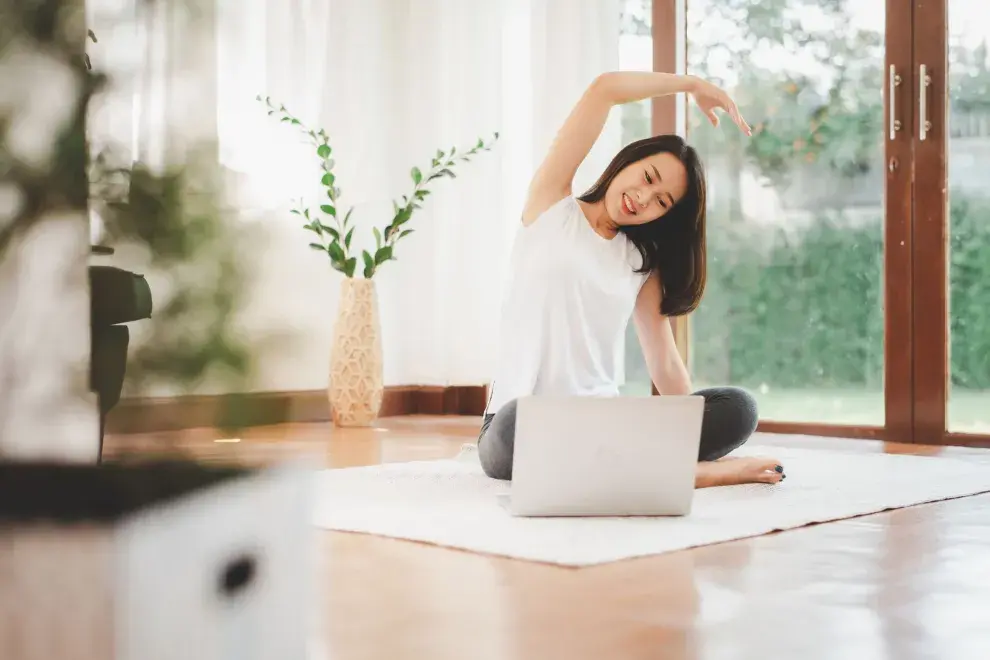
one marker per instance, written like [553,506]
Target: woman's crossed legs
[729,421]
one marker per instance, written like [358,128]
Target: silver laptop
[605,456]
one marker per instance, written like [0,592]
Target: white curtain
[392,81]
[161,59]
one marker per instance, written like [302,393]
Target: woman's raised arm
[553,179]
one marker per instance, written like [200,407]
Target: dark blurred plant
[193,330]
[175,217]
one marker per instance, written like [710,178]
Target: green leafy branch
[335,238]
[440,167]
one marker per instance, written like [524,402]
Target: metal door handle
[924,80]
[893,82]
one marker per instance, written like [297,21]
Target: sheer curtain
[161,59]
[392,81]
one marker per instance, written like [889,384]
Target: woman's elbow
[603,86]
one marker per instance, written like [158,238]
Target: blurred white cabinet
[223,572]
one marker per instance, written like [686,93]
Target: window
[794,305]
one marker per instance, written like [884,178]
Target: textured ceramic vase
[356,388]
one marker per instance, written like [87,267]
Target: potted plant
[355,389]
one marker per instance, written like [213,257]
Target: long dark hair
[673,244]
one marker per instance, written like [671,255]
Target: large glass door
[794,309]
[968,153]
[952,222]
[849,238]
[969,216]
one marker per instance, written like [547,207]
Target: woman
[633,245]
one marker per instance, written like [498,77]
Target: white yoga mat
[452,503]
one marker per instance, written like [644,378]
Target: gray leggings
[730,419]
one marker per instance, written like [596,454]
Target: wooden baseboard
[149,415]
[824,430]
[967,440]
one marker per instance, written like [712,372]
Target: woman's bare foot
[733,471]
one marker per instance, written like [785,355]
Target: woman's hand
[709,97]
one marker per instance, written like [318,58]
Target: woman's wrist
[691,83]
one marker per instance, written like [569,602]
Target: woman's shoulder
[539,207]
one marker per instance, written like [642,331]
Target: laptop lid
[605,456]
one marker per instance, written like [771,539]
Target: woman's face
[646,189]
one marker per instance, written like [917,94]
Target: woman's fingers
[741,123]
[718,99]
[737,117]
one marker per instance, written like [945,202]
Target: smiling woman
[652,179]
[580,266]
[642,194]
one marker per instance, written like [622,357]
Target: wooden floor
[912,583]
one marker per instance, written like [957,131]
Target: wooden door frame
[929,280]
[915,273]
[669,25]
[898,243]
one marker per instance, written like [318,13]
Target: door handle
[893,82]
[924,80]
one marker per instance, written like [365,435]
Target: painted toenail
[779,468]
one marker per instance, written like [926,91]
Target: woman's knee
[732,404]
[495,447]
[746,409]
[731,417]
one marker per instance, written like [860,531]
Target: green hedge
[803,307]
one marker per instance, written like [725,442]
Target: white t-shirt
[568,301]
